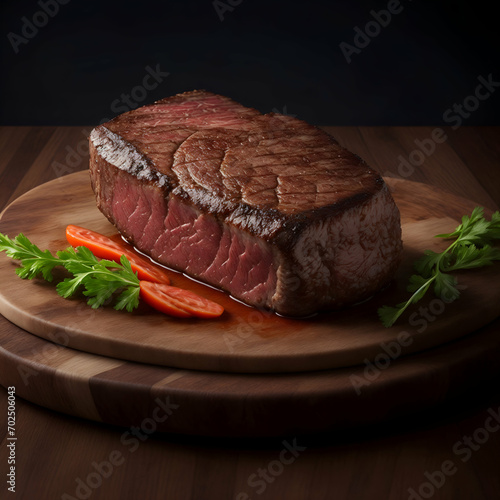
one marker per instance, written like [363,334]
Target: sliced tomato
[106,248]
[178,302]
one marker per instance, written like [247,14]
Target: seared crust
[263,173]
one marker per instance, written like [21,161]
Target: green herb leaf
[471,249]
[99,279]
[34,261]
[388,314]
[445,287]
[128,299]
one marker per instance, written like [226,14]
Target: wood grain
[243,405]
[465,164]
[243,339]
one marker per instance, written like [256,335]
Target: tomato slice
[178,302]
[106,248]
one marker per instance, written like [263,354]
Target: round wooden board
[243,339]
[241,405]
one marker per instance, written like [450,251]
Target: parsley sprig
[471,249]
[99,279]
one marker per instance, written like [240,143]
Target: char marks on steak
[267,207]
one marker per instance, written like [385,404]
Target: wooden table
[447,452]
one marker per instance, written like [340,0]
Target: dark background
[269,55]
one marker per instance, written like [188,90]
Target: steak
[266,207]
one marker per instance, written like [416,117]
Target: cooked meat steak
[267,207]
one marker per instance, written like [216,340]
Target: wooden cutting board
[230,404]
[243,339]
